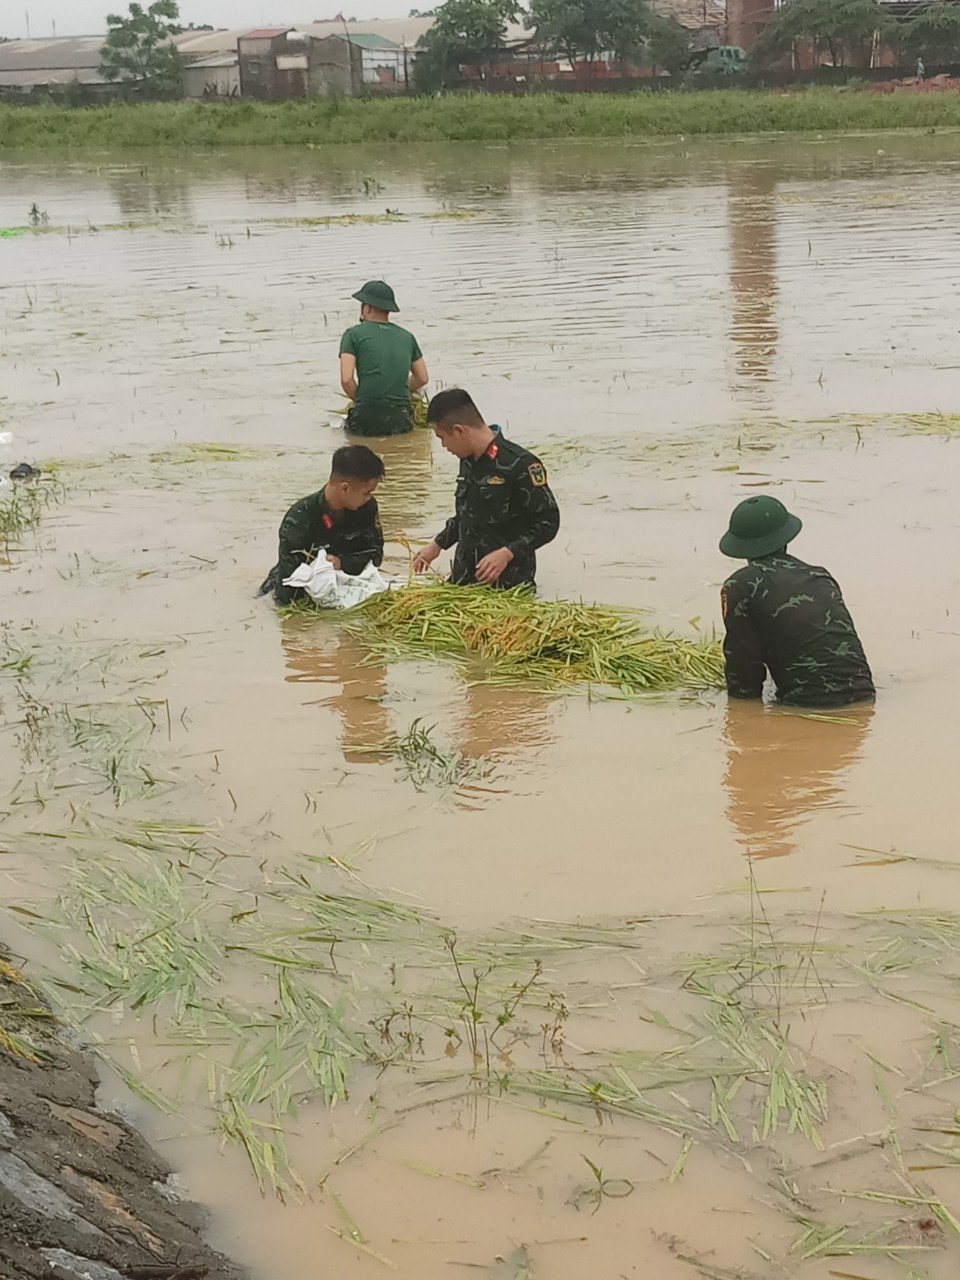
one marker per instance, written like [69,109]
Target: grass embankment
[473,118]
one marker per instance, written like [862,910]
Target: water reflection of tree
[783,767]
[357,689]
[751,196]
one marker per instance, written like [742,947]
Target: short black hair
[357,462]
[453,405]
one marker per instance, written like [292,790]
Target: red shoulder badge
[326,521]
[493,449]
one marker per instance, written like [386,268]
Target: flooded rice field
[639,988]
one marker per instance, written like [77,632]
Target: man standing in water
[786,617]
[341,519]
[380,366]
[504,508]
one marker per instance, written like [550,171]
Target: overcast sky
[87,17]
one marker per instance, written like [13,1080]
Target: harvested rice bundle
[544,641]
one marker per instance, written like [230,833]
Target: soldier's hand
[492,566]
[334,560]
[425,557]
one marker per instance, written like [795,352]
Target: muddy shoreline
[81,1193]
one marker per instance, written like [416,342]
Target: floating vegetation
[20,1014]
[346,219]
[99,744]
[157,937]
[929,424]
[424,762]
[208,451]
[752,1086]
[819,1240]
[225,240]
[145,942]
[22,509]
[551,644]
[335,981]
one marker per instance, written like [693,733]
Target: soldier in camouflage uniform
[504,508]
[786,617]
[341,519]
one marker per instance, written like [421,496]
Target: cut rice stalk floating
[546,642]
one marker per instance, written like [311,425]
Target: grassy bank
[476,118]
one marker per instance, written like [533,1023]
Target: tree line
[847,30]
[473,33]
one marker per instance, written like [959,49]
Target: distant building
[385,64]
[279,63]
[404,32]
[217,77]
[28,65]
[258,51]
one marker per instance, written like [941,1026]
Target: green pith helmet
[377,294]
[759,526]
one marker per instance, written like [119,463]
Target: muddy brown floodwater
[709,949]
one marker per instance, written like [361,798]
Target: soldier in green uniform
[504,508]
[786,617]
[380,365]
[341,519]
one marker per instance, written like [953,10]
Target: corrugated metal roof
[369,40]
[62,75]
[266,33]
[402,31]
[224,60]
[206,44]
[51,55]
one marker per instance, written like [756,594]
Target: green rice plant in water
[524,639]
[424,762]
[23,508]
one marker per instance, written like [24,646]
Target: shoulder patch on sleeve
[538,475]
[724,602]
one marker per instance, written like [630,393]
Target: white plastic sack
[332,588]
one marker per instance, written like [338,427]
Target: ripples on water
[665,321]
[600,279]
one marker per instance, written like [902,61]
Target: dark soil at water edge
[475,118]
[81,1194]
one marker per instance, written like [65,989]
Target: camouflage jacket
[355,537]
[503,500]
[788,618]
